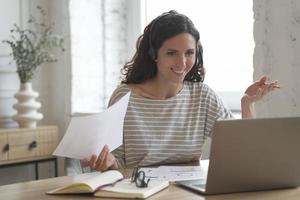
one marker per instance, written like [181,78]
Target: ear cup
[151,52]
[152,28]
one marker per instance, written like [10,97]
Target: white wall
[277,40]
[9,85]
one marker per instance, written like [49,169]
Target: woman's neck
[155,90]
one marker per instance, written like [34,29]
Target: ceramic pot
[27,115]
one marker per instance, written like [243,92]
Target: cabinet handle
[6,148]
[33,145]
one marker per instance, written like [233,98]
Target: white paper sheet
[87,135]
[178,173]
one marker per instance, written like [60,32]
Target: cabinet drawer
[21,151]
[20,145]
[3,147]
[19,139]
[47,141]
[28,143]
[45,149]
[47,135]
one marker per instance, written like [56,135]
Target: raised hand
[259,89]
[255,92]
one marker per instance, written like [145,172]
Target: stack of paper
[177,173]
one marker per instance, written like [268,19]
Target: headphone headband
[151,51]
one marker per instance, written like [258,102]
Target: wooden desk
[35,190]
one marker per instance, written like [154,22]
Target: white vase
[26,107]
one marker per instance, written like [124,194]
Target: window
[226,33]
[87,51]
[99,50]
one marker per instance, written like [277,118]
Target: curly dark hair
[143,67]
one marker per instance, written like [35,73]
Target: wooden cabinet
[3,147]
[19,144]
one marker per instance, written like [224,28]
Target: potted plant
[31,47]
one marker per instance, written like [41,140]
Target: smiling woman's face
[176,57]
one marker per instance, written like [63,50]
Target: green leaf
[33,47]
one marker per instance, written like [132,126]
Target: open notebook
[109,184]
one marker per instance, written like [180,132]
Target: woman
[171,111]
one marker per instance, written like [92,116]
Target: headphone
[151,50]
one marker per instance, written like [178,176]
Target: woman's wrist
[247,108]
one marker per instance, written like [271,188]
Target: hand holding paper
[87,135]
[103,162]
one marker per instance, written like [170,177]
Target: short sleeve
[119,153]
[121,91]
[216,109]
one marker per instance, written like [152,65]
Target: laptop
[251,155]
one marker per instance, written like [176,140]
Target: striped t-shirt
[167,131]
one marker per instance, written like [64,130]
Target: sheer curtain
[98,45]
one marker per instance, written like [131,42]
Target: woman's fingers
[275,84]
[258,94]
[93,161]
[262,80]
[270,87]
[111,160]
[265,90]
[103,162]
[259,89]
[102,159]
[84,163]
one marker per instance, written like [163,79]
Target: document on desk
[177,173]
[87,135]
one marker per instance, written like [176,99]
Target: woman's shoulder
[118,93]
